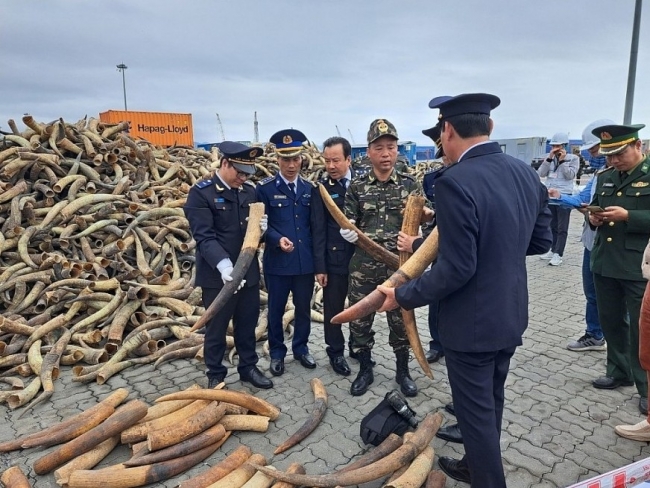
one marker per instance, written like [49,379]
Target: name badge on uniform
[608,185]
[335,195]
[640,184]
[279,197]
[219,200]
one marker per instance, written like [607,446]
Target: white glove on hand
[349,235]
[225,268]
[264,223]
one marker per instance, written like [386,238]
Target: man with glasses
[620,210]
[288,255]
[217,209]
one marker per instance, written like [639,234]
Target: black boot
[365,377]
[403,378]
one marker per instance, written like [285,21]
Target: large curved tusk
[410,226]
[246,255]
[378,252]
[317,414]
[412,268]
[413,446]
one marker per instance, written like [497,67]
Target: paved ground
[557,429]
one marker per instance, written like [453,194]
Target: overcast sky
[556,64]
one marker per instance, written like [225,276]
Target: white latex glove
[225,268]
[349,235]
[264,223]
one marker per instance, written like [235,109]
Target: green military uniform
[377,209]
[616,260]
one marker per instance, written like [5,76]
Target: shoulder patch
[266,180]
[203,183]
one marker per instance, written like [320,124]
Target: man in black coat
[491,213]
[332,253]
[217,210]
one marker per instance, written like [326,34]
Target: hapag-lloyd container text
[164,129]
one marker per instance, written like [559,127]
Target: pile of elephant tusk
[96,258]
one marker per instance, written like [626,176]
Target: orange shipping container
[164,129]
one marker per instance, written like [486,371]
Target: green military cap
[380,128]
[614,138]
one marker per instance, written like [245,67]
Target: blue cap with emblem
[467,103]
[288,142]
[240,156]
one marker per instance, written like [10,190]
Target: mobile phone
[595,208]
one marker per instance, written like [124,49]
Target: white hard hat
[588,139]
[559,138]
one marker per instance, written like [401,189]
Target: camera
[401,406]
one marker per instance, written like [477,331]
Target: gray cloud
[556,65]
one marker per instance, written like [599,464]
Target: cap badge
[605,136]
[253,153]
[287,139]
[382,126]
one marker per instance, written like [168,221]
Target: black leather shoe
[214,381]
[450,433]
[340,365]
[307,360]
[455,468]
[277,367]
[255,377]
[434,356]
[643,405]
[609,383]
[450,408]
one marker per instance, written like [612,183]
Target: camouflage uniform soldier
[376,202]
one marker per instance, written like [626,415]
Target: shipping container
[531,150]
[163,129]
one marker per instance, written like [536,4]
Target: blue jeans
[591,312]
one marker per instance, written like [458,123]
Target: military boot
[403,378]
[365,377]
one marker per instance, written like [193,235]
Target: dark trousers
[302,288]
[434,343]
[244,309]
[333,302]
[591,311]
[615,298]
[477,386]
[559,228]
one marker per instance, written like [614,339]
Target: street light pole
[631,75]
[123,67]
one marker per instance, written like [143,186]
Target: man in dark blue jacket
[217,210]
[332,252]
[288,255]
[491,213]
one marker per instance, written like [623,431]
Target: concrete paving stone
[519,477]
[542,455]
[564,470]
[539,436]
[516,458]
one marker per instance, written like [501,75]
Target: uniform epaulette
[604,169]
[435,168]
[203,183]
[266,180]
[406,175]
